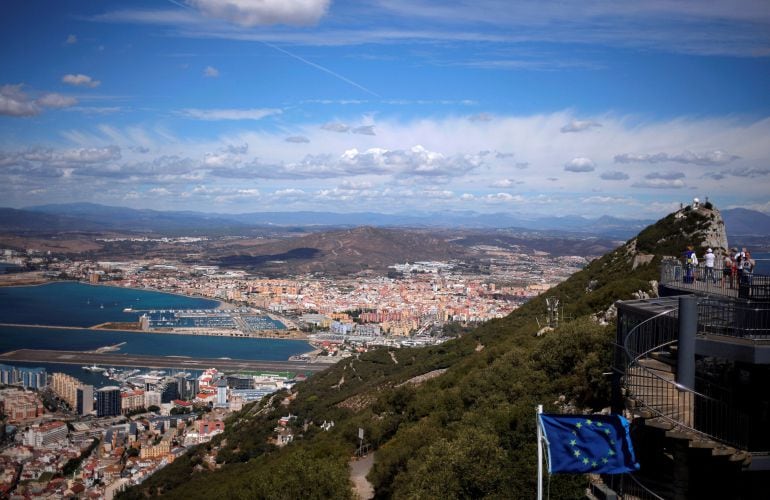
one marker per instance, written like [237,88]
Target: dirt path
[359,468]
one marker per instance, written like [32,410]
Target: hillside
[468,432]
[343,252]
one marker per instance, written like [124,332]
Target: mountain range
[95,217]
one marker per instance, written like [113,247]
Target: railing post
[688,327]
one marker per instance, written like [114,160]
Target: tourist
[690,261]
[728,270]
[709,264]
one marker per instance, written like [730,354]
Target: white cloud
[80,80]
[709,158]
[580,164]
[503,183]
[297,139]
[264,12]
[91,155]
[210,72]
[14,102]
[71,40]
[579,126]
[229,114]
[659,184]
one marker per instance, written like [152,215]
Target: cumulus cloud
[708,158]
[297,139]
[614,175]
[503,197]
[580,164]
[415,162]
[364,130]
[15,102]
[229,114]
[91,155]
[335,127]
[579,126]
[251,13]
[80,80]
[210,72]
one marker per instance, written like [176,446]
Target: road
[134,360]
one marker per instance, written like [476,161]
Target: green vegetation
[468,433]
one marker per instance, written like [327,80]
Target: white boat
[95,369]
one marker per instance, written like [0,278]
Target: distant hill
[454,420]
[90,215]
[26,220]
[745,222]
[344,251]
[82,216]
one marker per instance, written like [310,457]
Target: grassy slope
[467,433]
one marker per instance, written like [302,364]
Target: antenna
[552,311]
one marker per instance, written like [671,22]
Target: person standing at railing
[709,259]
[690,261]
[728,270]
[748,267]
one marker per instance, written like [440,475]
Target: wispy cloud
[229,114]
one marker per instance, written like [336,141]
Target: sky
[588,107]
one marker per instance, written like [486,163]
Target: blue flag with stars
[582,444]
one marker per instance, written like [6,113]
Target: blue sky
[585,107]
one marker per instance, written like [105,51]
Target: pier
[143,361]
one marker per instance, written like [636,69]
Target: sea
[74,304]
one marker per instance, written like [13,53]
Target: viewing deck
[699,280]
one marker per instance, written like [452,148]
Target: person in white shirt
[709,263]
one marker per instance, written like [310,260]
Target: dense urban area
[64,437]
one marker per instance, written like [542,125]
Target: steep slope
[468,432]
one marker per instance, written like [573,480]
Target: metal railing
[731,318]
[708,412]
[715,281]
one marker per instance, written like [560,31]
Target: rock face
[715,235]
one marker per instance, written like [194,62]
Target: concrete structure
[45,434]
[692,373]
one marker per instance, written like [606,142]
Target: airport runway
[86,358]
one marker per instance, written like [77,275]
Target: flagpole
[539,454]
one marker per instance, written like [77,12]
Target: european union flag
[582,444]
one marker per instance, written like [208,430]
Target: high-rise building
[75,393]
[169,391]
[108,401]
[29,378]
[85,399]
